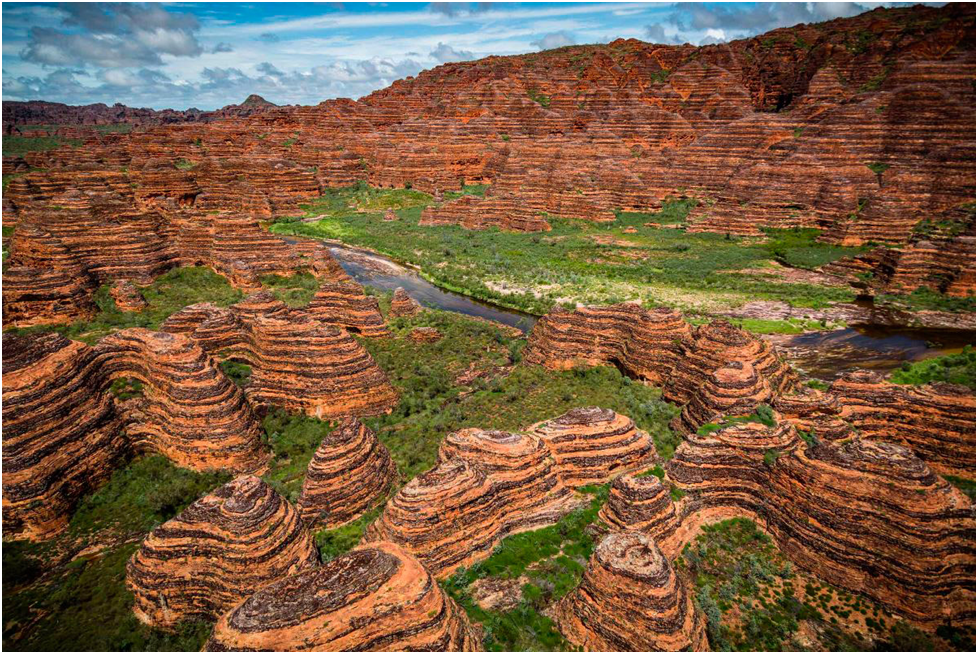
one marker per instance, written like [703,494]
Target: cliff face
[64,432]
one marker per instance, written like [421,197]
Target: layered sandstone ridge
[348,474]
[216,553]
[64,430]
[630,599]
[491,484]
[329,376]
[862,514]
[375,598]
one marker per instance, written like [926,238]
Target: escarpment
[349,473]
[375,598]
[297,362]
[630,599]
[61,436]
[189,410]
[217,552]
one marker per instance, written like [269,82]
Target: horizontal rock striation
[403,305]
[864,515]
[489,484]
[61,436]
[591,445]
[374,598]
[631,600]
[189,411]
[646,344]
[44,296]
[216,553]
[297,362]
[936,421]
[345,305]
[643,503]
[348,474]
[733,390]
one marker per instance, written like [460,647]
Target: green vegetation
[19,145]
[539,98]
[183,164]
[763,414]
[966,486]
[926,299]
[660,76]
[293,438]
[588,262]
[878,167]
[336,542]
[168,294]
[552,559]
[296,291]
[239,373]
[954,368]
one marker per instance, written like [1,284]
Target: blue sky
[208,55]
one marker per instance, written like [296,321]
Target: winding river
[823,355]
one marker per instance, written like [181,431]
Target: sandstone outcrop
[344,304]
[864,515]
[127,297]
[630,599]
[61,437]
[43,296]
[403,305]
[328,375]
[488,485]
[349,473]
[425,335]
[216,553]
[591,445]
[189,411]
[643,503]
[374,598]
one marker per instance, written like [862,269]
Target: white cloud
[444,53]
[554,40]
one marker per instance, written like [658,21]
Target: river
[823,355]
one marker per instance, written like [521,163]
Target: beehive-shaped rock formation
[403,305]
[643,503]
[297,362]
[490,484]
[733,390]
[591,445]
[189,411]
[217,552]
[43,296]
[349,473]
[61,437]
[646,344]
[936,421]
[865,515]
[374,598]
[631,600]
[126,296]
[345,305]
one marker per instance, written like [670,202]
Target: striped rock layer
[348,474]
[864,515]
[403,305]
[64,432]
[297,362]
[375,598]
[936,421]
[216,553]
[733,390]
[61,436]
[190,412]
[126,296]
[489,484]
[345,305]
[642,504]
[657,346]
[591,445]
[631,600]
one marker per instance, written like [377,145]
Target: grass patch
[953,368]
[926,299]
[295,291]
[553,559]
[19,145]
[593,263]
[966,486]
[799,248]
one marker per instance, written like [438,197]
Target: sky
[208,55]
